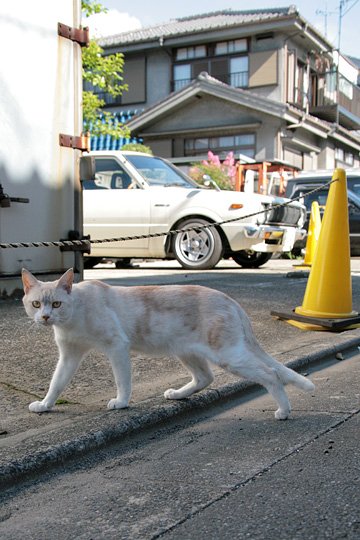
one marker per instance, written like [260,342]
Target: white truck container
[40,102]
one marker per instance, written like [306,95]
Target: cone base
[316,328]
[302,265]
[300,310]
[319,323]
[306,326]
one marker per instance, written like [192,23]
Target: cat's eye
[36,304]
[56,304]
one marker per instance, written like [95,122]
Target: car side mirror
[208,181]
[353,209]
[87,168]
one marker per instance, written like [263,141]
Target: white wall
[40,93]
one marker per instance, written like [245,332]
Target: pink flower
[213,159]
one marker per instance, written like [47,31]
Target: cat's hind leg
[255,370]
[201,373]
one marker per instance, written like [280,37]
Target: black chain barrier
[69,243]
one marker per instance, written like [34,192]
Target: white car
[135,194]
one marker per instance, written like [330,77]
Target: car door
[115,205]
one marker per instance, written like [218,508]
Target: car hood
[213,194]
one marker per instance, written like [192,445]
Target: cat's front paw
[38,406]
[171,394]
[281,414]
[117,404]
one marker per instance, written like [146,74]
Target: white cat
[198,325]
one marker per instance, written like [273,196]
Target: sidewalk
[29,442]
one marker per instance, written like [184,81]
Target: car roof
[122,152]
[321,173]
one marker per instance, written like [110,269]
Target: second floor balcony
[334,98]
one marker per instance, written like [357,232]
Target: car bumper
[264,238]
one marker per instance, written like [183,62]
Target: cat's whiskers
[34,327]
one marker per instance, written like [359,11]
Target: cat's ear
[66,281]
[28,280]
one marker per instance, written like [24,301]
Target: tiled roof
[198,23]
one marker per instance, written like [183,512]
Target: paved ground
[229,472]
[29,442]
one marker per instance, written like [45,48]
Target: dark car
[306,182]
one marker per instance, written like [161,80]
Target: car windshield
[309,183]
[354,185]
[158,172]
[321,196]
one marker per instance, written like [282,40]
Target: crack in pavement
[257,474]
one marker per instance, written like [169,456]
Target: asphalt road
[228,472]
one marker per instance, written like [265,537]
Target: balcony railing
[238,80]
[329,90]
[109,99]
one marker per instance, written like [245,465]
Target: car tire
[248,258]
[197,250]
[90,262]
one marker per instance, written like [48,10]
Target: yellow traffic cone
[312,238]
[327,302]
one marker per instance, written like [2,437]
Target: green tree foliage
[104,72]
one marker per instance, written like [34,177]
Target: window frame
[211,58]
[214,145]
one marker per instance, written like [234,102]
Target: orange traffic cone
[312,238]
[327,302]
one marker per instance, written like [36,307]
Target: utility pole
[342,12]
[326,13]
[341,7]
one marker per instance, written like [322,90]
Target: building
[262,83]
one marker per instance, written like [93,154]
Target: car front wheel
[90,262]
[248,258]
[197,249]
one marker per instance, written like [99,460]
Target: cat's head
[48,303]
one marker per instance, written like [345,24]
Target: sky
[322,14]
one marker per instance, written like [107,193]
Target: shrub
[223,173]
[137,147]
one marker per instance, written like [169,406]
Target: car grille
[282,215]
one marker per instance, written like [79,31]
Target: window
[228,47]
[354,185]
[158,172]
[239,71]
[319,196]
[187,53]
[339,154]
[244,143]
[344,157]
[294,157]
[220,60]
[182,75]
[349,158]
[109,175]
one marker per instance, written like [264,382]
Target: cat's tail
[287,375]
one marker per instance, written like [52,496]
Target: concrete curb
[149,416]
